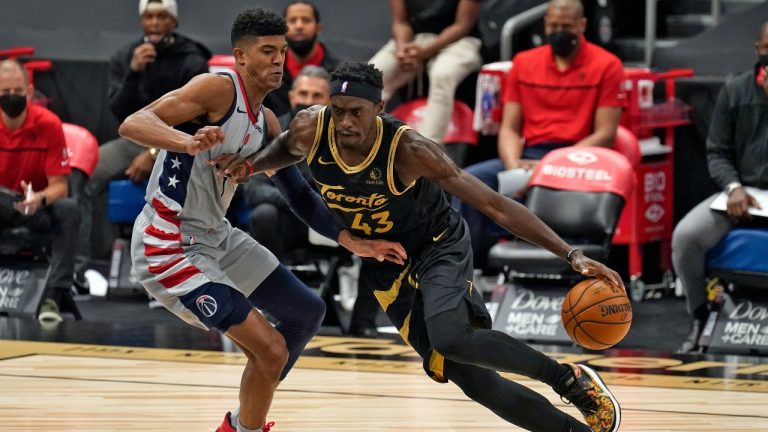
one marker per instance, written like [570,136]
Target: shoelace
[267,426]
[582,399]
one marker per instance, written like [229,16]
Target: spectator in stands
[737,153]
[34,162]
[304,49]
[566,93]
[440,36]
[160,61]
[271,222]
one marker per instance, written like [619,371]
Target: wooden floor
[68,387]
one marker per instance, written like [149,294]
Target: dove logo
[207,305]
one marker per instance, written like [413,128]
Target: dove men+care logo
[20,289]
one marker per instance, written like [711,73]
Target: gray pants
[114,158]
[446,71]
[698,232]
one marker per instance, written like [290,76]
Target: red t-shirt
[34,151]
[559,107]
[294,65]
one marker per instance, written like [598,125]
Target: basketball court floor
[114,378]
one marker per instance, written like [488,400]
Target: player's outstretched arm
[206,97]
[286,148]
[309,207]
[419,157]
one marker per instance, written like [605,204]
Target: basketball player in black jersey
[382,179]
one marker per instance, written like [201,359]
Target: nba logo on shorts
[344,86]
[207,305]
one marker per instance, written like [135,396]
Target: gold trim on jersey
[386,298]
[405,330]
[437,366]
[391,162]
[318,134]
[335,151]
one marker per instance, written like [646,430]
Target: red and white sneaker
[226,425]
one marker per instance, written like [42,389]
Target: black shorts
[434,281]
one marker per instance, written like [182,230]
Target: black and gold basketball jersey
[369,199]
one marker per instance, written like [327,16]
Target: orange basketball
[596,314]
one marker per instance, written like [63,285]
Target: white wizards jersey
[184,190]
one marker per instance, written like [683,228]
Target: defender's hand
[205,138]
[590,267]
[378,249]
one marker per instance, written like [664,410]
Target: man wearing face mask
[566,93]
[303,20]
[34,163]
[737,154]
[271,222]
[160,61]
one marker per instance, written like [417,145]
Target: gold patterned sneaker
[587,392]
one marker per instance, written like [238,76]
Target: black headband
[356,89]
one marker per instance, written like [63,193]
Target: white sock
[241,428]
[234,416]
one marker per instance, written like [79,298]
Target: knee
[443,80]
[684,236]
[66,211]
[274,358]
[315,313]
[450,343]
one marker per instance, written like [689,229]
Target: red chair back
[459,129]
[82,146]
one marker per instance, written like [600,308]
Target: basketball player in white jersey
[184,251]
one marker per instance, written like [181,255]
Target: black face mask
[299,107]
[763,59]
[563,43]
[13,104]
[302,48]
[163,43]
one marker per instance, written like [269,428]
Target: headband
[356,89]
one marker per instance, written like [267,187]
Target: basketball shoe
[226,425]
[587,392]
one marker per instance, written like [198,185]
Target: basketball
[596,314]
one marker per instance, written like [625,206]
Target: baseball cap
[156,5]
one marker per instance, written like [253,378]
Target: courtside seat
[126,199]
[579,193]
[740,258]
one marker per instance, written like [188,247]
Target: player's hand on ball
[205,138]
[589,267]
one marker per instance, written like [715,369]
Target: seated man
[304,49]
[154,63]
[441,37]
[568,92]
[737,156]
[33,161]
[271,222]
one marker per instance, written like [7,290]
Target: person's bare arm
[510,141]
[419,157]
[206,96]
[605,124]
[287,148]
[466,17]
[402,32]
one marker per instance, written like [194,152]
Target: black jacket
[176,64]
[737,144]
[277,100]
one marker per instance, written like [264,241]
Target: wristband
[732,186]
[250,167]
[570,254]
